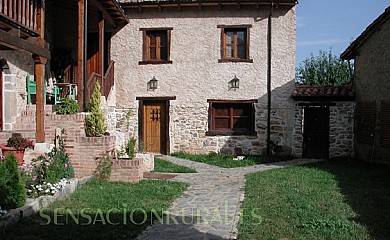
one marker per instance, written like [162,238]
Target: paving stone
[210,208]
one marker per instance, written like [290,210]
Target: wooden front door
[316,132]
[154,127]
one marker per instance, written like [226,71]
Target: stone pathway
[210,208]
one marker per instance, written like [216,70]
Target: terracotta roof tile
[323,91]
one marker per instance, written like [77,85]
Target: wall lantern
[152,84]
[234,83]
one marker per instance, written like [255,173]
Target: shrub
[130,147]
[103,170]
[325,70]
[47,172]
[12,189]
[67,106]
[96,122]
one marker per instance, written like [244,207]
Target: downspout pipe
[85,57]
[269,41]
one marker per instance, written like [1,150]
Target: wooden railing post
[80,54]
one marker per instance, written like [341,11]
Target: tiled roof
[203,1]
[350,52]
[345,91]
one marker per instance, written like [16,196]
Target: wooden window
[156,45]
[365,121]
[385,124]
[231,117]
[235,43]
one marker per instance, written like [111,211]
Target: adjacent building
[370,52]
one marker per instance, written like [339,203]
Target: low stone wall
[127,170]
[84,151]
[37,204]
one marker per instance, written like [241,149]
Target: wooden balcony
[19,14]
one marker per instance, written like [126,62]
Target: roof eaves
[350,52]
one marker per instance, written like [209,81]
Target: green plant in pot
[16,145]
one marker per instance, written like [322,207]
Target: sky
[325,24]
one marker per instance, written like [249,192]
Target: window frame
[145,46]
[223,45]
[212,131]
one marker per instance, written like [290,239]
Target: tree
[96,122]
[323,70]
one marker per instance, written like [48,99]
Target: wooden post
[39,75]
[101,44]
[80,55]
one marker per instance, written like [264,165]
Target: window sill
[230,133]
[154,62]
[235,60]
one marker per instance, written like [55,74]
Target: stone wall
[371,83]
[341,132]
[195,75]
[21,64]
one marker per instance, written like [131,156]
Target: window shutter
[385,124]
[9,97]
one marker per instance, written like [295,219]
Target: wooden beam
[80,54]
[41,19]
[15,42]
[39,76]
[101,45]
[107,16]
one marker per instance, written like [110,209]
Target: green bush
[130,147]
[12,189]
[103,169]
[96,122]
[49,169]
[67,106]
[323,70]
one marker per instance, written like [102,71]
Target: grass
[161,165]
[100,210]
[327,200]
[226,161]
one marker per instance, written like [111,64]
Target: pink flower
[34,178]
[65,165]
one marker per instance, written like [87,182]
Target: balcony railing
[21,12]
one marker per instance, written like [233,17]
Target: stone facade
[20,64]
[195,75]
[371,83]
[341,134]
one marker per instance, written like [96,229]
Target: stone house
[370,53]
[193,75]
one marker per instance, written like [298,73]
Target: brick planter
[127,170]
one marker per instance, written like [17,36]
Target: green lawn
[101,210]
[226,161]
[161,165]
[327,200]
